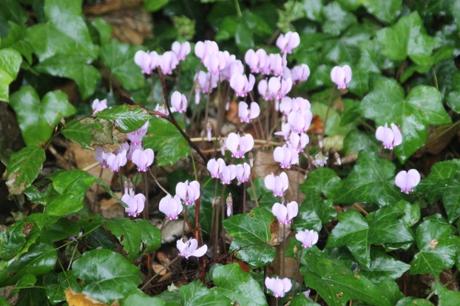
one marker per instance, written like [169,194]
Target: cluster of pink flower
[166,62]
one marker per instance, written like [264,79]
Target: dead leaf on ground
[79,299]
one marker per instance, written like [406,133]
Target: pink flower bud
[341,76]
[243,173]
[143,159]
[288,42]
[285,213]
[178,102]
[308,238]
[278,184]
[188,192]
[171,207]
[181,49]
[390,137]
[247,114]
[98,105]
[135,202]
[278,286]
[286,156]
[239,145]
[407,180]
[190,248]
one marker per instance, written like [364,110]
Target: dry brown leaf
[232,113]
[79,299]
[110,208]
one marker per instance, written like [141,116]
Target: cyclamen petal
[143,159]
[135,202]
[285,213]
[98,105]
[190,248]
[178,102]
[278,184]
[171,207]
[242,173]
[181,49]
[308,238]
[239,145]
[227,174]
[278,286]
[188,192]
[137,136]
[407,180]
[288,42]
[215,167]
[300,73]
[146,61]
[286,156]
[390,137]
[341,76]
[247,113]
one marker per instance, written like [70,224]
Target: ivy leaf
[237,285]
[383,266]
[23,168]
[70,188]
[72,67]
[107,275]
[442,184]
[453,98]
[352,231]
[336,19]
[10,62]
[386,11]
[437,247]
[127,118]
[407,38]
[167,142]
[336,283]
[136,236]
[370,181]
[251,236]
[447,297]
[87,131]
[139,298]
[119,58]
[36,118]
[413,114]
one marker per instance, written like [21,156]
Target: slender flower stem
[146,191]
[197,221]
[157,182]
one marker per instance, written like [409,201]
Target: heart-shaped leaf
[10,61]
[127,118]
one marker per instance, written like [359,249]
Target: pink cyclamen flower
[275,64]
[341,76]
[168,62]
[146,61]
[117,159]
[286,156]
[98,105]
[298,142]
[285,213]
[239,145]
[308,238]
[300,73]
[190,248]
[278,286]
[143,159]
[390,137]
[178,102]
[256,60]
[242,84]
[299,121]
[171,206]
[136,136]
[206,48]
[135,202]
[101,157]
[288,42]
[248,113]
[243,173]
[188,192]
[278,184]
[227,174]
[407,180]
[181,49]
[215,167]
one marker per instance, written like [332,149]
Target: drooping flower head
[227,174]
[243,173]
[143,159]
[239,145]
[390,137]
[190,248]
[286,156]
[285,213]
[181,49]
[178,102]
[136,136]
[147,61]
[215,167]
[117,159]
[171,206]
[308,238]
[300,73]
[278,184]
[247,113]
[278,286]
[341,76]
[242,84]
[288,42]
[407,180]
[135,202]
[188,192]
[98,105]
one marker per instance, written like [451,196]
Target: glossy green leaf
[251,236]
[167,142]
[336,19]
[127,118]
[194,294]
[119,58]
[336,283]
[410,301]
[136,236]
[72,67]
[56,284]
[36,118]
[154,5]
[447,297]
[371,181]
[352,231]
[383,266]
[407,38]
[10,61]
[23,168]
[437,247]
[139,298]
[442,184]
[237,285]
[86,131]
[384,10]
[414,114]
[107,275]
[301,300]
